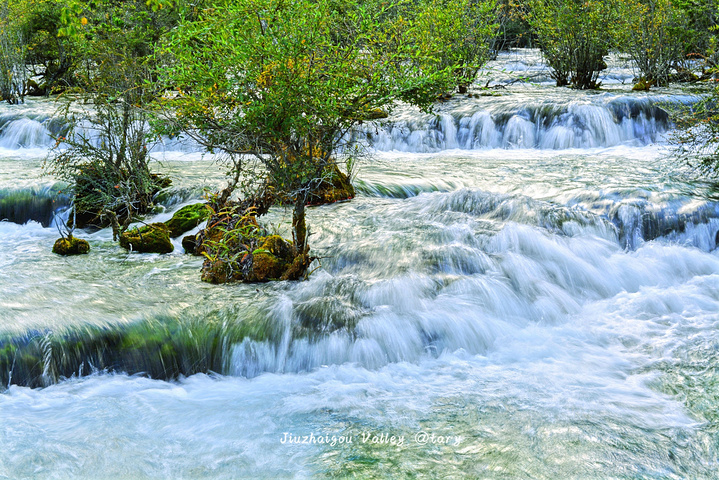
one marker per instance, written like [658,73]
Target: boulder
[70,246]
[187,218]
[153,238]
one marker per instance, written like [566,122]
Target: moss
[266,267]
[216,271]
[71,246]
[238,249]
[297,268]
[187,218]
[335,188]
[375,114]
[279,247]
[642,85]
[153,238]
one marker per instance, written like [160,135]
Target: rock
[238,249]
[271,261]
[71,246]
[153,238]
[278,246]
[297,268]
[187,218]
[642,86]
[189,243]
[217,271]
[335,188]
[35,90]
[265,267]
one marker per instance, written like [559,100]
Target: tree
[467,27]
[574,36]
[13,54]
[104,155]
[696,139]
[702,16]
[653,33]
[278,86]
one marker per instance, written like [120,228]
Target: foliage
[701,17]
[13,53]
[277,86]
[696,139]
[574,36]
[51,57]
[652,32]
[105,153]
[467,27]
[513,29]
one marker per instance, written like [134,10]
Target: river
[526,286]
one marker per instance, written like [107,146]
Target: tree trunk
[299,228]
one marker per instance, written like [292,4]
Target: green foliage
[574,35]
[513,29]
[653,33]
[51,57]
[466,26]
[696,141]
[105,156]
[278,85]
[13,55]
[701,17]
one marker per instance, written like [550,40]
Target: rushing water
[526,286]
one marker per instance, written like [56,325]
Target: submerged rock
[153,238]
[71,246]
[187,218]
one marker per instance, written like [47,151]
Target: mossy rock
[216,271]
[279,247]
[335,188]
[266,267]
[71,246]
[189,243]
[187,218]
[274,259]
[297,268]
[642,86]
[153,238]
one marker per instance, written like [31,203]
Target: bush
[13,52]
[696,141]
[574,36]
[653,34]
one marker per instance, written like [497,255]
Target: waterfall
[478,124]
